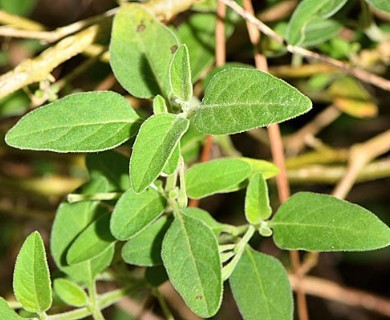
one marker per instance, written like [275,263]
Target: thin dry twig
[361,74]
[279,159]
[360,155]
[332,291]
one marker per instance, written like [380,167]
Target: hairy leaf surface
[318,222]
[155,143]
[257,207]
[141,50]
[261,288]
[134,212]
[191,257]
[70,292]
[80,122]
[32,285]
[240,99]
[180,74]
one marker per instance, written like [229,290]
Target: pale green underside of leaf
[319,30]
[159,105]
[70,292]
[191,258]
[93,241]
[173,161]
[383,5]
[266,168]
[81,122]
[240,99]
[145,248]
[216,176]
[261,288]
[257,206]
[141,50]
[6,312]
[69,222]
[134,212]
[303,15]
[155,143]
[180,74]
[317,222]
[31,284]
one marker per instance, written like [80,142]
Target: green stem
[75,197]
[164,307]
[94,306]
[228,270]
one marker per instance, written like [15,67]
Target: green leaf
[141,51]
[180,74]
[305,12]
[159,105]
[71,293]
[7,313]
[382,5]
[134,212]
[319,30]
[261,288]
[69,222]
[155,143]
[216,176]
[32,285]
[92,242]
[206,218]
[80,122]
[173,161]
[266,168]
[239,99]
[113,166]
[257,207]
[318,222]
[191,257]
[191,143]
[145,248]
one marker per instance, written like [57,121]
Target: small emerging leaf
[32,285]
[240,99]
[180,74]
[71,293]
[191,257]
[80,122]
[155,143]
[92,242]
[144,249]
[257,206]
[134,212]
[159,105]
[318,222]
[261,288]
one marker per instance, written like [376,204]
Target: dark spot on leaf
[141,27]
[199,298]
[174,48]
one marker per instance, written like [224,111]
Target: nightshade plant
[140,207]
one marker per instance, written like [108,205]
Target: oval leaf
[71,293]
[180,74]
[216,176]
[7,313]
[206,218]
[383,5]
[141,51]
[191,258]
[257,206]
[318,222]
[81,122]
[32,285]
[155,143]
[134,212]
[253,286]
[266,168]
[239,99]
[145,248]
[70,220]
[92,242]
